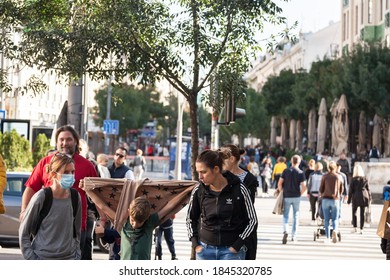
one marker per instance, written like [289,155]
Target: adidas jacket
[227,219]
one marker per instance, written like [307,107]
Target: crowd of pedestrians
[221,218]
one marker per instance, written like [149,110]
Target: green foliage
[140,40]
[256,120]
[40,148]
[132,106]
[277,92]
[16,151]
[366,70]
[362,75]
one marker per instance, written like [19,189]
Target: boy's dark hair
[140,209]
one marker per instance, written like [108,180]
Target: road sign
[2,114]
[111,127]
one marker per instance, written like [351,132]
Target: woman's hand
[198,249]
[231,249]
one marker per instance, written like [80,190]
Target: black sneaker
[174,258]
[284,240]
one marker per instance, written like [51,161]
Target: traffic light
[232,112]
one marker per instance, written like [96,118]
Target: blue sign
[2,114]
[111,127]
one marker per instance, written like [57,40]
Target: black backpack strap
[45,208]
[75,200]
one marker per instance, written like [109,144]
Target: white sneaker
[294,240]
[327,241]
[354,230]
[313,223]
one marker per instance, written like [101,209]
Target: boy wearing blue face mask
[55,238]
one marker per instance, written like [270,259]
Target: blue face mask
[67,181]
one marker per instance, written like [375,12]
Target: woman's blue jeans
[219,253]
[330,208]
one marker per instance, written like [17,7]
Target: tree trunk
[192,101]
[75,97]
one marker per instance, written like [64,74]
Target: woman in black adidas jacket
[221,215]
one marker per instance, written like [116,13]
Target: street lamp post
[179,135]
[108,116]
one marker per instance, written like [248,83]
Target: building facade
[365,21]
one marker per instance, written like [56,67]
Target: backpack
[315,182]
[47,206]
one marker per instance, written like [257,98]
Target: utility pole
[179,136]
[214,132]
[108,116]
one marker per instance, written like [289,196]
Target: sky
[312,15]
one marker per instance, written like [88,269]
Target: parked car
[9,221]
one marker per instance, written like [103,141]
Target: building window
[362,13]
[344,26]
[369,20]
[356,19]
[381,10]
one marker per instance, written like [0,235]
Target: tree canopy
[183,41]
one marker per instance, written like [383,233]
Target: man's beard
[68,150]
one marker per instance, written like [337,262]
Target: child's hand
[99,229]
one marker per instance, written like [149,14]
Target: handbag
[278,208]
[367,215]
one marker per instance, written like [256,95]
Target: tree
[256,112]
[182,41]
[132,106]
[16,151]
[277,92]
[40,148]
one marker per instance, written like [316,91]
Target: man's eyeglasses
[119,155]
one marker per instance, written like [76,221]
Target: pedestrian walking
[57,235]
[293,184]
[220,197]
[232,164]
[360,196]
[330,191]
[165,229]
[313,189]
[139,164]
[67,142]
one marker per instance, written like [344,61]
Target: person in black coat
[360,195]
